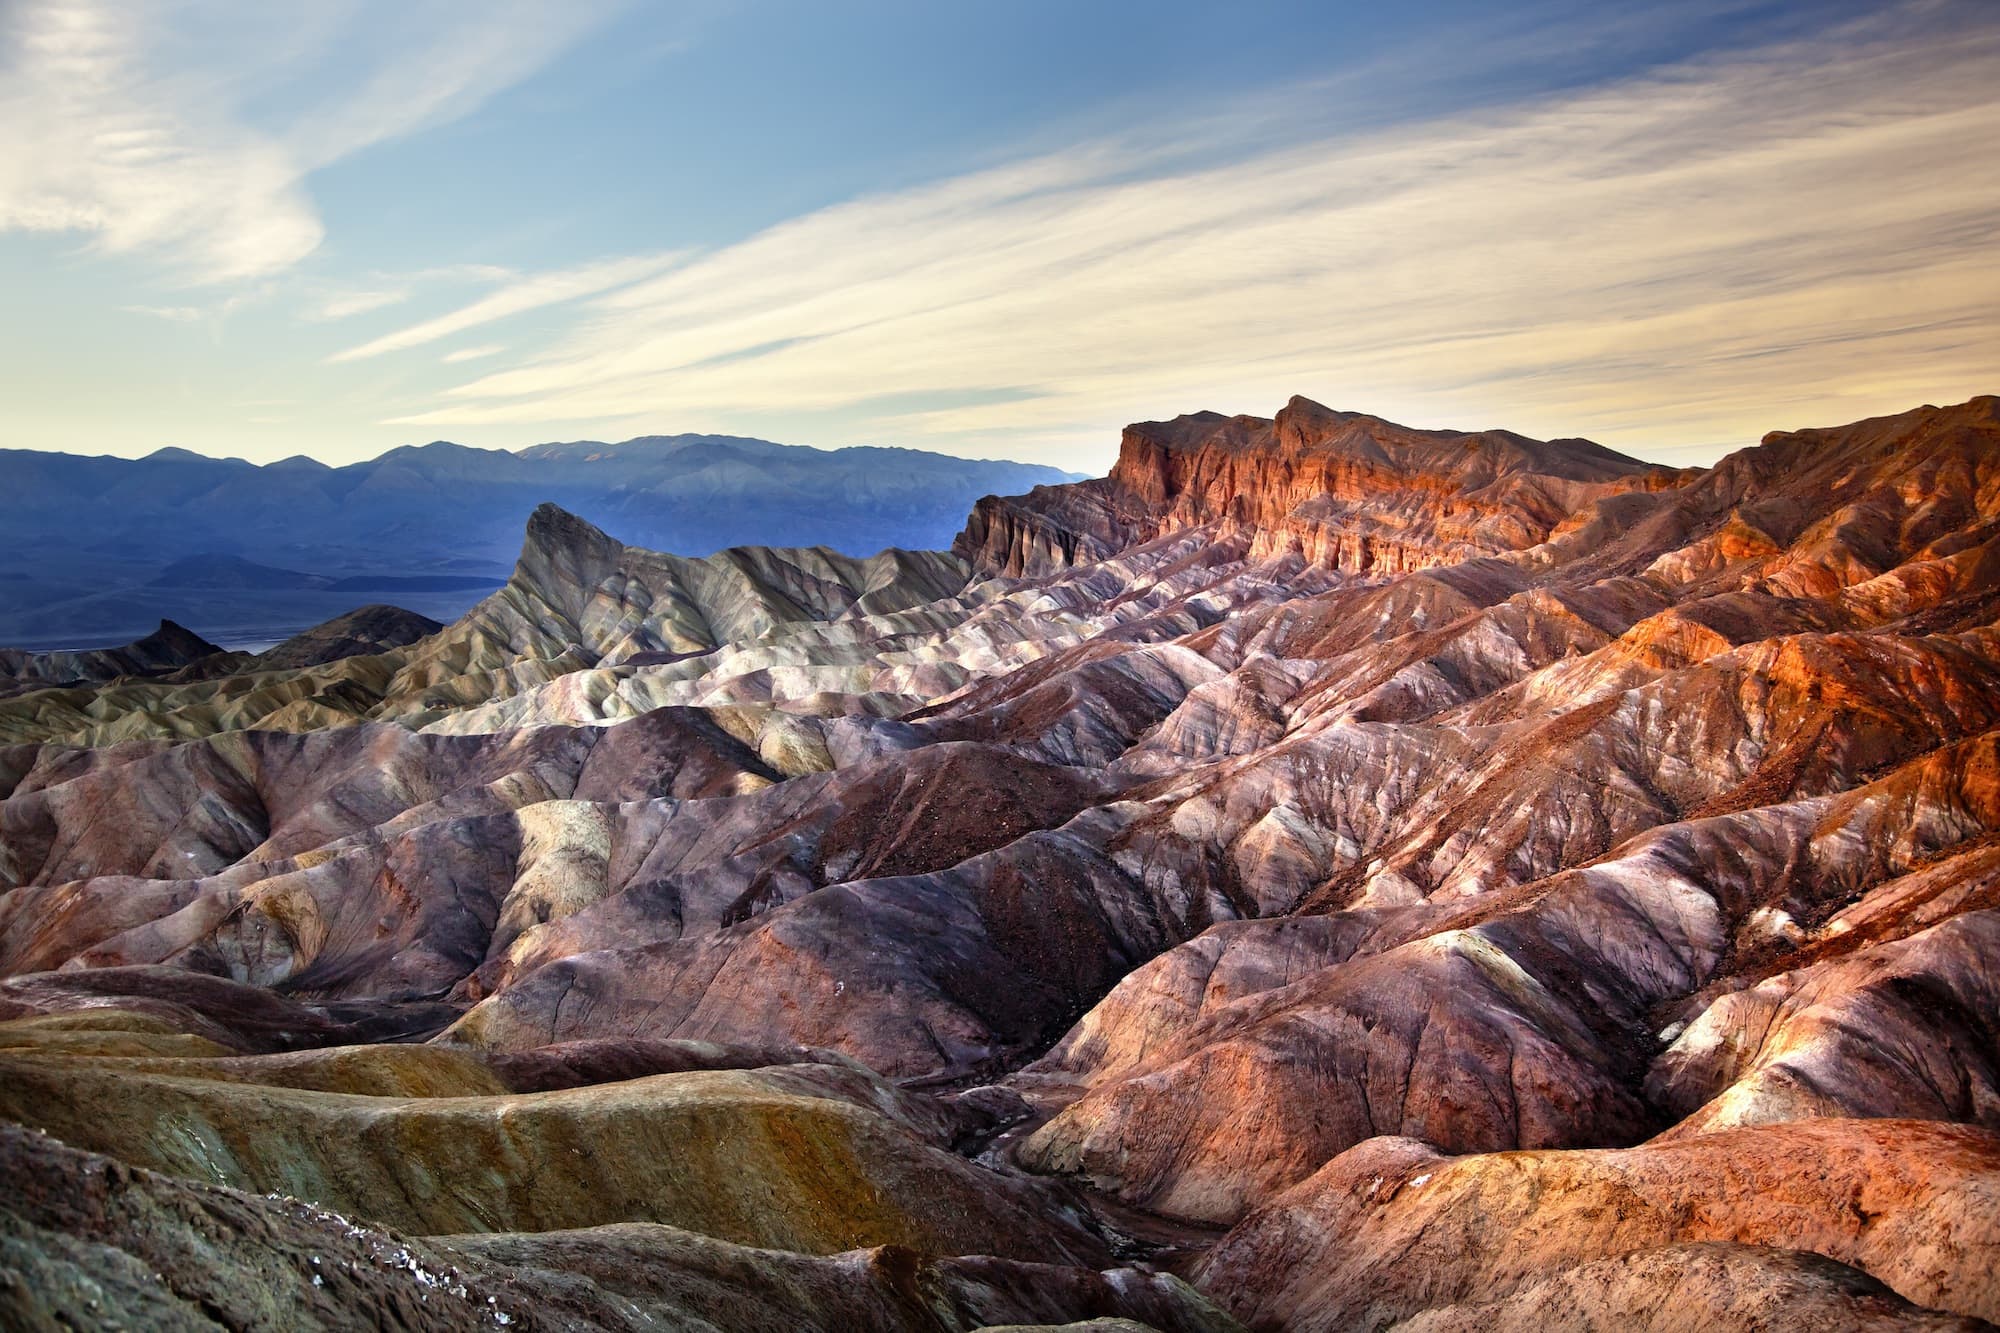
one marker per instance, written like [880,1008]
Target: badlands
[1322,875]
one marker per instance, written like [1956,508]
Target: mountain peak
[173,643]
[553,527]
[173,453]
[564,556]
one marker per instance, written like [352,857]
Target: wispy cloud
[1683,258]
[95,145]
[214,313]
[175,314]
[155,156]
[465,354]
[346,305]
[438,61]
[516,298]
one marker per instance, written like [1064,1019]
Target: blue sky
[994,230]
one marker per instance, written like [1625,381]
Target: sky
[999,230]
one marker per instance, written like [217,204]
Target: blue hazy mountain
[102,547]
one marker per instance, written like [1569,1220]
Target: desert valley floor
[1324,875]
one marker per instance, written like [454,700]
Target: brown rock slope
[1687,1288]
[89,1242]
[1391,1229]
[808,1158]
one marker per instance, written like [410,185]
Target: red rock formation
[1347,491]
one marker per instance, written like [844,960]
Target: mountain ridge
[94,537]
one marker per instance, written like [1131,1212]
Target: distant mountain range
[101,548]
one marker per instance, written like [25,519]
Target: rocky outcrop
[1685,1288]
[579,597]
[1391,1229]
[1051,528]
[1544,849]
[1346,490]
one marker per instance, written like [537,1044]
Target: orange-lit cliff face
[1570,881]
[1347,491]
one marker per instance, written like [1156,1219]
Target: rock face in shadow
[92,1242]
[167,649]
[1311,804]
[363,631]
[799,1158]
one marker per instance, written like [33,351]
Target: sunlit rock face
[1390,1230]
[1345,490]
[1472,877]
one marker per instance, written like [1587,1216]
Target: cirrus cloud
[157,157]
[478,353]
[515,298]
[1676,261]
